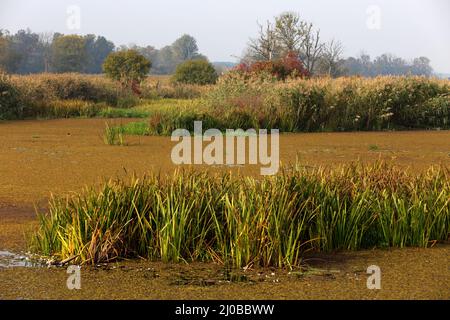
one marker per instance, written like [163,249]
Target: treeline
[28,52]
[386,64]
[288,34]
[166,59]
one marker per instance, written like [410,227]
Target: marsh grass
[236,101]
[318,104]
[113,135]
[242,221]
[325,104]
[122,113]
[140,128]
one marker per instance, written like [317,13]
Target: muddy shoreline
[408,273]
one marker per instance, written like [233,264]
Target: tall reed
[193,216]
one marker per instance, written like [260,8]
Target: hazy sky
[407,28]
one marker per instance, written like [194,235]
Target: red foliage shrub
[294,66]
[288,66]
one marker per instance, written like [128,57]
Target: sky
[406,28]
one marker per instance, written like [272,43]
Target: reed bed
[243,221]
[237,101]
[74,95]
[316,104]
[326,104]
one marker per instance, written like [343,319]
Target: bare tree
[46,38]
[288,34]
[265,47]
[331,59]
[311,47]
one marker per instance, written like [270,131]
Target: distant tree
[287,34]
[331,62]
[46,39]
[185,48]
[28,52]
[9,58]
[387,64]
[367,67]
[28,45]
[167,61]
[68,53]
[361,65]
[265,46]
[128,67]
[195,72]
[97,49]
[421,67]
[311,47]
[352,66]
[149,52]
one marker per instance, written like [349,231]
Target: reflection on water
[10,260]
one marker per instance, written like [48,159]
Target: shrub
[128,67]
[195,72]
[288,66]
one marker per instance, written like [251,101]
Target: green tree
[68,53]
[9,58]
[129,67]
[421,67]
[289,32]
[185,48]
[195,72]
[31,49]
[166,61]
[97,49]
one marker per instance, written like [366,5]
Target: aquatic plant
[243,221]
